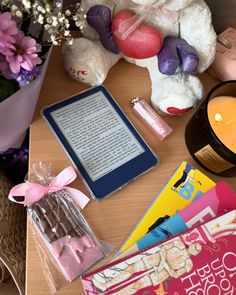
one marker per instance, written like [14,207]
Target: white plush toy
[173,39]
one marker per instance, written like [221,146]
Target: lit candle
[211,132]
[222,117]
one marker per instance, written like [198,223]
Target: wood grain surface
[115,217]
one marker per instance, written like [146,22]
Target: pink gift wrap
[16,112]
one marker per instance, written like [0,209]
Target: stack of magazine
[184,244]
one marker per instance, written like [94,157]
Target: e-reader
[100,140]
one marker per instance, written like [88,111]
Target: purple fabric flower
[24,77]
[8,31]
[24,53]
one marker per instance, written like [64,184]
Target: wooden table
[114,218]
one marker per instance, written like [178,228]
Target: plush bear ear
[176,5]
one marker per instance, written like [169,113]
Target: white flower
[54,23]
[67,12]
[61,19]
[70,41]
[47,27]
[14,8]
[49,15]
[41,9]
[53,38]
[19,13]
[50,31]
[26,3]
[77,23]
[66,33]
[40,19]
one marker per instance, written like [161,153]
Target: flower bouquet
[28,28]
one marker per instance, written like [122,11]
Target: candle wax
[222,117]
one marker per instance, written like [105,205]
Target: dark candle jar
[210,134]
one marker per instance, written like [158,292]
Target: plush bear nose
[176,111]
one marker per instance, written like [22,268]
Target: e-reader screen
[97,134]
[100,140]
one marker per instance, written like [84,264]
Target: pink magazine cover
[218,200]
[201,261]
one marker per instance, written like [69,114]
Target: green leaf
[7,88]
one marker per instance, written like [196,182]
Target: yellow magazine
[186,185]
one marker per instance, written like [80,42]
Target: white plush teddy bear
[178,41]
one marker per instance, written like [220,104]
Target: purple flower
[57,2]
[24,53]
[8,30]
[24,77]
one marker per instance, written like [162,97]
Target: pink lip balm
[150,118]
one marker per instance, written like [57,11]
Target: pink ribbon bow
[33,192]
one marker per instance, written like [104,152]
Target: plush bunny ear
[176,5]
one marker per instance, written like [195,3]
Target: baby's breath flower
[50,31]
[26,3]
[49,15]
[4,2]
[41,9]
[54,22]
[19,14]
[58,4]
[61,19]
[14,8]
[53,38]
[70,41]
[40,19]
[48,9]
[67,12]
[66,33]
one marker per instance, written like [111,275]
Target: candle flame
[218,118]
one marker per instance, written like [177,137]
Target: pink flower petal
[21,51]
[19,58]
[13,64]
[27,66]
